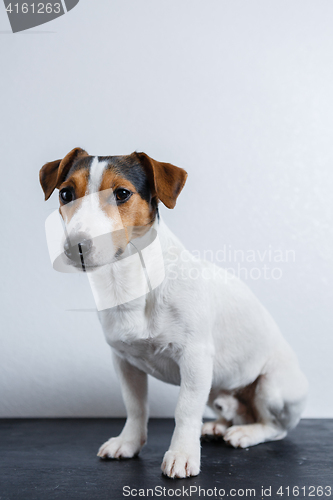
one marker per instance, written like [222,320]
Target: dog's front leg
[183,457]
[134,434]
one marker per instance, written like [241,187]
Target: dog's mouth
[85,252]
[83,266]
[85,263]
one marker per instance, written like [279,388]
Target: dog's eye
[122,195]
[66,195]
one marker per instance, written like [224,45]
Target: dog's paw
[180,464]
[240,436]
[215,429]
[118,447]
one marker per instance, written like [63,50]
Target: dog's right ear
[52,174]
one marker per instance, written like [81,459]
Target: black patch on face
[129,168]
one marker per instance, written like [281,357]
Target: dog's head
[107,201]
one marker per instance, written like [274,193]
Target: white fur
[208,334]
[96,174]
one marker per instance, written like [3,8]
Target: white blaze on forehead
[96,174]
[90,218]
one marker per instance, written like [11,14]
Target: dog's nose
[78,245]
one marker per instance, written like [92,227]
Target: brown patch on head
[78,182]
[136,214]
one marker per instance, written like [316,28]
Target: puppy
[200,328]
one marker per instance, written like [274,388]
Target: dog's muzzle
[75,253]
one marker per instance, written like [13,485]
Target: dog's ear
[52,174]
[166,181]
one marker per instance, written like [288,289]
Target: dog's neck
[124,281]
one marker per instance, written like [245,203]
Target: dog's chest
[151,358]
[142,343]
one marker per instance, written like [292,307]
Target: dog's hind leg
[243,436]
[232,408]
[279,400]
[214,428]
[225,405]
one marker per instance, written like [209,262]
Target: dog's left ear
[166,181]
[52,174]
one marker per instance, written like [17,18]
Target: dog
[210,335]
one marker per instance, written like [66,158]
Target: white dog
[210,335]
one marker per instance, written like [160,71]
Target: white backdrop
[240,95]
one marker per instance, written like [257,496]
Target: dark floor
[56,459]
